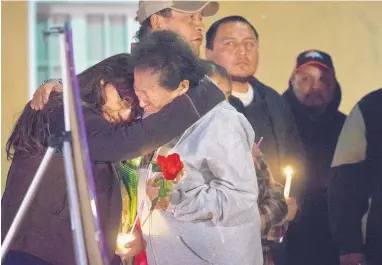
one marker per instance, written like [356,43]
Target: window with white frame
[100,29]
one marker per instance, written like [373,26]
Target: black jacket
[358,180]
[237,104]
[309,240]
[45,232]
[271,118]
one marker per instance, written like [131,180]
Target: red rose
[170,166]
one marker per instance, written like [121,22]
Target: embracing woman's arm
[111,142]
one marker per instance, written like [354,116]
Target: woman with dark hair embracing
[115,133]
[45,234]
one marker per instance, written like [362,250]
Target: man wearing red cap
[314,96]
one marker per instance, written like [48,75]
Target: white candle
[288,172]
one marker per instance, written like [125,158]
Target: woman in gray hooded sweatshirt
[212,216]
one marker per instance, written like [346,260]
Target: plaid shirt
[272,205]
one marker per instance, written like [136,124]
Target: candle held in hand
[122,240]
[288,173]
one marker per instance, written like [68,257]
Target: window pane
[42,74]
[56,72]
[95,38]
[48,52]
[41,27]
[118,34]
[57,20]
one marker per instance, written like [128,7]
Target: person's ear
[157,22]
[293,78]
[183,87]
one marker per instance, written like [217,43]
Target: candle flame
[288,171]
[122,240]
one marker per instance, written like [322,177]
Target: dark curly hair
[166,53]
[31,131]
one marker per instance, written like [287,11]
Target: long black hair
[31,132]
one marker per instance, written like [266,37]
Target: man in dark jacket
[357,185]
[314,96]
[232,43]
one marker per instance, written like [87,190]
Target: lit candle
[122,240]
[288,172]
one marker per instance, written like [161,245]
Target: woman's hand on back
[41,96]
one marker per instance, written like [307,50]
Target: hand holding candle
[288,182]
[122,240]
[129,245]
[291,202]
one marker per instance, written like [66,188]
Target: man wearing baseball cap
[182,17]
[314,84]
[314,96]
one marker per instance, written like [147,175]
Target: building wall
[14,71]
[350,31]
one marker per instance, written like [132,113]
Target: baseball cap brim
[208,8]
[315,63]
[148,8]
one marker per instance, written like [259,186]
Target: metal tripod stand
[88,245]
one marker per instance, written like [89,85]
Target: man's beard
[315,100]
[241,79]
[314,112]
